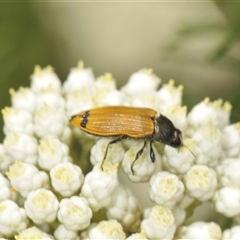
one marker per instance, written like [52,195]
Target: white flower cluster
[53,184]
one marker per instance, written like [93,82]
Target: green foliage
[23,45]
[229,36]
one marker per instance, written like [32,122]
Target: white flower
[179,160]
[51,122]
[12,218]
[25,177]
[5,159]
[41,206]
[125,209]
[66,178]
[51,152]
[186,202]
[200,230]
[160,223]
[99,186]
[142,81]
[169,96]
[178,115]
[84,235]
[17,120]
[143,167]
[6,192]
[180,215]
[146,212]
[21,147]
[208,112]
[105,82]
[231,233]
[39,136]
[23,99]
[105,92]
[224,112]
[74,213]
[63,233]
[145,99]
[51,98]
[78,79]
[45,78]
[200,182]
[110,229]
[231,140]
[108,98]
[166,189]
[115,151]
[78,101]
[227,201]
[34,234]
[229,173]
[208,148]
[135,236]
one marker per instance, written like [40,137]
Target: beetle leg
[139,153]
[110,143]
[152,154]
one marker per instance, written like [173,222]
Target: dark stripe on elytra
[85,119]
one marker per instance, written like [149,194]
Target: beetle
[120,122]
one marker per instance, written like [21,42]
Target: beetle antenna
[189,150]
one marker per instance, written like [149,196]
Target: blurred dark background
[195,43]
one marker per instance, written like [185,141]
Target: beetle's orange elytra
[128,122]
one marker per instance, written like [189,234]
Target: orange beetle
[128,122]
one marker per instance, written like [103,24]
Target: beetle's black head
[166,133]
